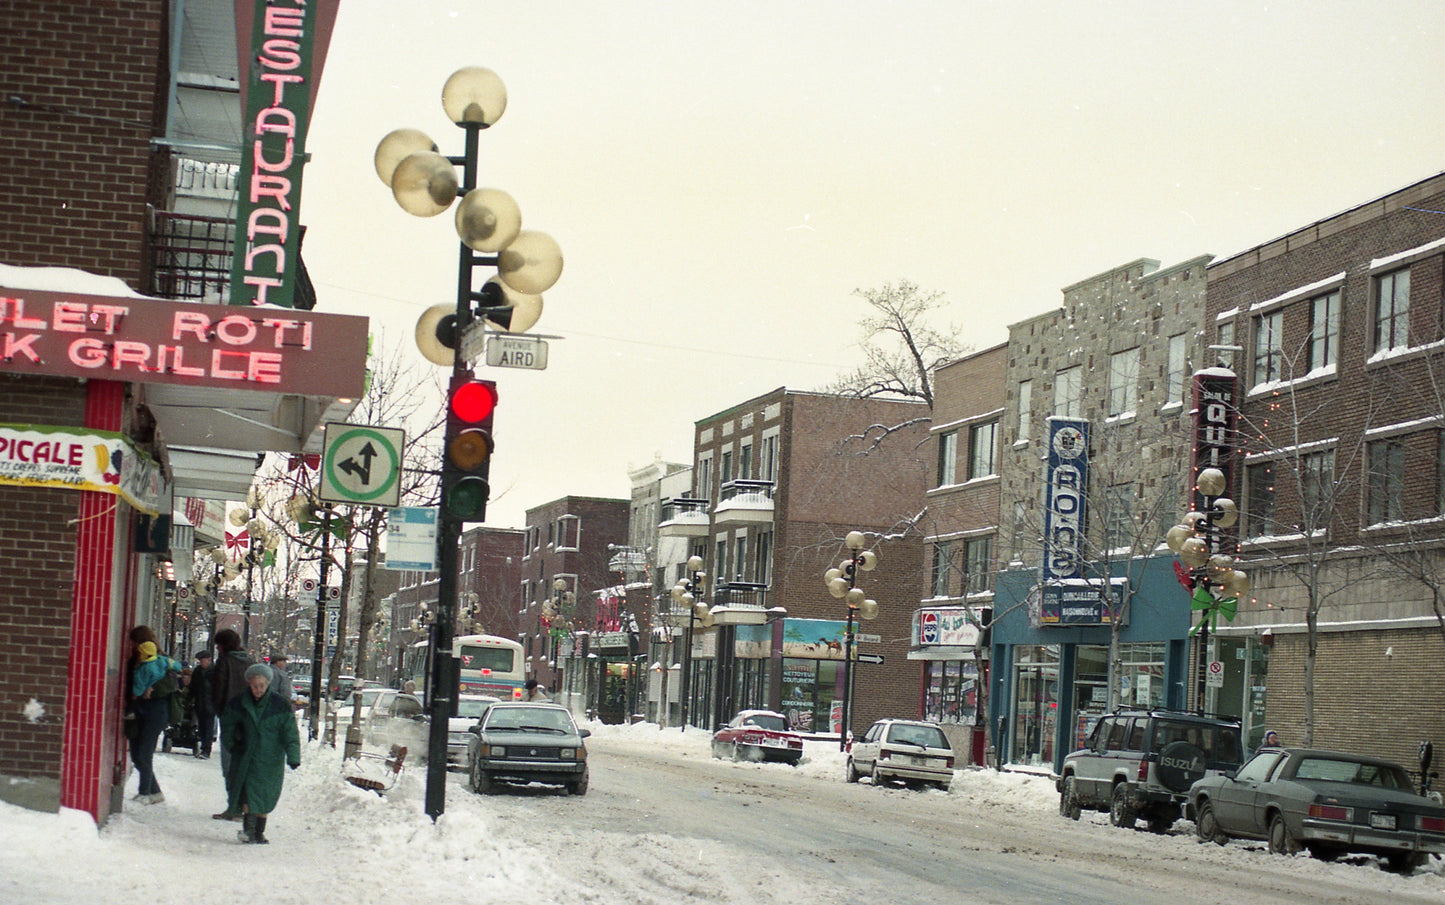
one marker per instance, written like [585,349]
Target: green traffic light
[467,499]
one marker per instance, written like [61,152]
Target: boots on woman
[259,835]
[248,829]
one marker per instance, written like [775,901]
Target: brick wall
[37,559]
[74,191]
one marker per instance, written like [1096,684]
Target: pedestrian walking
[205,709]
[150,708]
[259,729]
[1271,740]
[281,680]
[228,681]
[535,692]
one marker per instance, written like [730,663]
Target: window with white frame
[1317,482]
[1026,409]
[1069,392]
[1123,381]
[1177,376]
[1268,347]
[947,457]
[703,485]
[768,458]
[569,532]
[740,556]
[1387,481]
[1259,499]
[942,567]
[1018,539]
[982,450]
[745,462]
[1324,330]
[978,565]
[1224,336]
[763,555]
[1392,310]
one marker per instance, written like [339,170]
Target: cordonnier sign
[155,341]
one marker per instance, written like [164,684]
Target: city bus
[486,664]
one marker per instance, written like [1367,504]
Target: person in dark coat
[260,731]
[228,680]
[151,711]
[205,709]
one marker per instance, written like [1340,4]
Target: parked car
[470,708]
[398,718]
[1327,802]
[1141,764]
[340,718]
[527,742]
[758,735]
[914,751]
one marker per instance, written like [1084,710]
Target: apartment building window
[1387,481]
[740,557]
[1224,336]
[703,486]
[1123,381]
[768,458]
[725,467]
[1324,330]
[982,450]
[1317,480]
[745,461]
[1175,379]
[1069,392]
[1026,409]
[1392,310]
[1118,516]
[1268,347]
[763,553]
[569,532]
[1168,508]
[947,456]
[942,565]
[720,559]
[978,565]
[1259,506]
[1018,540]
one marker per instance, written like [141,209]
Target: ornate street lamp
[842,583]
[689,593]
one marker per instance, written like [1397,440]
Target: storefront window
[1033,717]
[950,691]
[1141,675]
[809,687]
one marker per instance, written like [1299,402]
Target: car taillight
[1143,770]
[948,763]
[1433,824]
[1330,812]
[884,755]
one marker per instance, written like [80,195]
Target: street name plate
[517,352]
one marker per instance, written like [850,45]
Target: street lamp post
[425,183]
[556,615]
[842,583]
[689,593]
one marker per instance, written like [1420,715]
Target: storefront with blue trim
[1050,655]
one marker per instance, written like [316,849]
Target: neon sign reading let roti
[155,341]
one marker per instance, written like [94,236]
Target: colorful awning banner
[35,455]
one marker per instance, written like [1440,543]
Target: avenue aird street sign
[517,352]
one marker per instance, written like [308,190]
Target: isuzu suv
[1141,763]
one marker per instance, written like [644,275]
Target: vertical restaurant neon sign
[279,85]
[1215,435]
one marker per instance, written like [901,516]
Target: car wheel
[943,785]
[481,782]
[851,772]
[1323,852]
[1281,840]
[737,753]
[1207,827]
[1404,862]
[579,787]
[1161,821]
[1120,814]
[1069,800]
[877,776]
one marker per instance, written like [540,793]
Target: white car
[340,718]
[470,708]
[911,750]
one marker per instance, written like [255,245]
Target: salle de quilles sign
[157,341]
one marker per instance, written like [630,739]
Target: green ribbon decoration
[1212,608]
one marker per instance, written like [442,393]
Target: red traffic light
[474,401]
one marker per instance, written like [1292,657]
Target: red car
[758,735]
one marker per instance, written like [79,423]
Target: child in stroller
[183,730]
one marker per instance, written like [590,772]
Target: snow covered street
[336,844]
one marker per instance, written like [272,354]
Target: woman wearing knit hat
[150,711]
[259,729]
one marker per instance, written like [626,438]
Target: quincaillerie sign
[155,341]
[80,459]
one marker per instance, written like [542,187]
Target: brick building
[961,544]
[581,639]
[778,481]
[1342,329]
[86,532]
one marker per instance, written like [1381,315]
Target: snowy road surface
[663,823]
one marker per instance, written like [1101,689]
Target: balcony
[191,259]
[745,503]
[743,603]
[683,517]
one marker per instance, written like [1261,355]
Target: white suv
[911,750]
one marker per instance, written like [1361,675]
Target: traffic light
[468,453]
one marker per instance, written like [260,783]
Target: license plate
[1382,821]
[775,743]
[917,761]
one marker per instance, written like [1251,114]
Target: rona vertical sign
[279,84]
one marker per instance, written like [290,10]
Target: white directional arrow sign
[361,465]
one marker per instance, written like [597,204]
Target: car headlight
[491,751]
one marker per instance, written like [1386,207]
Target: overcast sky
[721,177]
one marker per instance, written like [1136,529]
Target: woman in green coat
[259,729]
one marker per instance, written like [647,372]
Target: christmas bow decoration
[237,543]
[1212,607]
